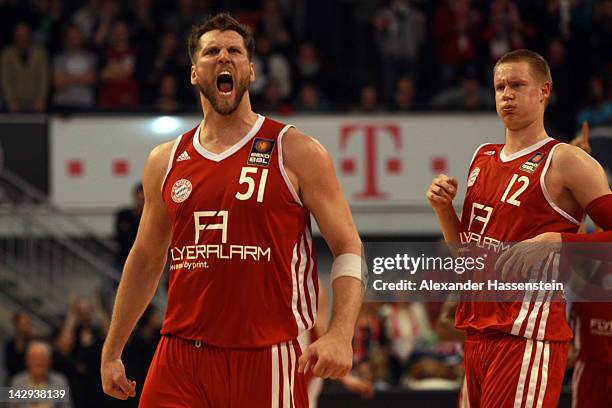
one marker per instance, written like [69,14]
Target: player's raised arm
[311,170]
[140,277]
[440,195]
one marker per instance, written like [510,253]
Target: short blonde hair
[539,67]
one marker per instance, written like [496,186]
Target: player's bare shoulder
[302,154]
[157,164]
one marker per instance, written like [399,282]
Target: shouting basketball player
[532,187]
[229,203]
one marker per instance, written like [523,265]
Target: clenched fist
[114,381]
[442,191]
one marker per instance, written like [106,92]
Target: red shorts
[508,371]
[591,385]
[186,374]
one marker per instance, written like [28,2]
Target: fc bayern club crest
[181,190]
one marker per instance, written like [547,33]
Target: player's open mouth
[225,83]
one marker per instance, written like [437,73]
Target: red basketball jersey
[592,323]
[243,269]
[507,201]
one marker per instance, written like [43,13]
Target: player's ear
[545,90]
[194,77]
[252,74]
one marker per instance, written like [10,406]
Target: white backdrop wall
[384,163]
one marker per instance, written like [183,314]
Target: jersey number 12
[514,197]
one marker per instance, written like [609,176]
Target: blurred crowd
[69,358]
[311,56]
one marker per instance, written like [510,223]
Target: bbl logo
[532,164]
[181,190]
[261,151]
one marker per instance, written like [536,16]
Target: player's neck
[226,130]
[519,139]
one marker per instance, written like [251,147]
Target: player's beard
[221,106]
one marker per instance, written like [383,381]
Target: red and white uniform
[507,201]
[243,271]
[592,380]
[242,263]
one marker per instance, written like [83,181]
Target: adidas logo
[183,156]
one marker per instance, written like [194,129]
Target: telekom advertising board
[384,163]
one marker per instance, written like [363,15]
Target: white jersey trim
[171,160]
[545,190]
[217,157]
[281,165]
[474,155]
[506,158]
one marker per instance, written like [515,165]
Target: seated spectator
[24,73]
[368,100]
[505,30]
[14,352]
[273,102]
[403,97]
[38,376]
[74,73]
[468,95]
[126,224]
[118,87]
[598,109]
[308,68]
[167,100]
[310,100]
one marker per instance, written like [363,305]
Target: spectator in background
[143,22]
[74,73]
[310,100]
[456,27]
[561,110]
[273,26]
[39,376]
[368,100]
[270,66]
[598,109]
[400,33]
[308,68]
[25,73]
[118,87]
[86,18]
[184,16]
[63,354]
[90,330]
[167,101]
[273,102]
[142,345]
[403,96]
[601,34]
[468,95]
[14,352]
[166,61]
[504,32]
[46,20]
[109,15]
[126,224]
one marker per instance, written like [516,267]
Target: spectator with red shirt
[118,86]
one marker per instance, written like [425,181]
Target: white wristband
[349,265]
